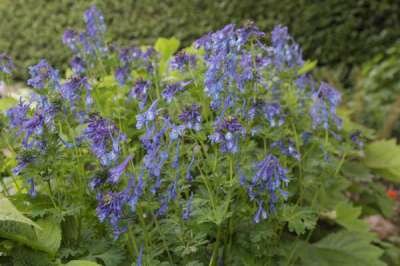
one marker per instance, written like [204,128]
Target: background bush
[339,31]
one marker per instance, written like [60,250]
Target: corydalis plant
[223,136]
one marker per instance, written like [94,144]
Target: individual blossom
[71,39]
[172,89]
[122,74]
[78,65]
[6,64]
[42,74]
[72,89]
[104,138]
[288,149]
[191,117]
[136,193]
[116,172]
[227,133]
[176,131]
[139,91]
[146,117]
[273,113]
[182,60]
[32,188]
[18,115]
[170,196]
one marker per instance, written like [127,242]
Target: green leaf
[307,67]
[49,238]
[6,103]
[299,219]
[347,216]
[8,212]
[383,156]
[343,248]
[167,47]
[82,263]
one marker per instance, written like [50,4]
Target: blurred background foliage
[338,33]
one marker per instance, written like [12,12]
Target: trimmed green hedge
[335,31]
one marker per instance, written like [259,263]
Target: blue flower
[117,171]
[268,180]
[6,64]
[191,117]
[137,193]
[140,257]
[95,25]
[71,39]
[104,138]
[32,190]
[172,89]
[273,114]
[41,74]
[227,132]
[139,91]
[176,131]
[288,150]
[145,118]
[171,195]
[78,65]
[18,115]
[72,89]
[122,74]
[286,52]
[182,60]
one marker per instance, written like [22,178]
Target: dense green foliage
[336,32]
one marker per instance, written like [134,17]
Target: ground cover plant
[227,152]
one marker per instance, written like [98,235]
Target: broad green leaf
[384,157]
[6,103]
[81,263]
[343,248]
[8,212]
[166,47]
[299,219]
[307,67]
[49,238]
[347,216]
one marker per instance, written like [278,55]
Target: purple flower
[172,89]
[18,114]
[137,193]
[32,190]
[71,39]
[268,180]
[355,137]
[72,89]
[286,52]
[95,26]
[121,75]
[104,138]
[189,176]
[117,171]
[78,65]
[288,150]
[139,91]
[171,195]
[176,131]
[227,133]
[41,74]
[6,64]
[140,257]
[273,114]
[182,60]
[148,116]
[191,117]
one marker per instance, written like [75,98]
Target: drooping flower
[171,195]
[273,113]
[147,116]
[286,51]
[355,137]
[72,89]
[122,74]
[117,171]
[137,193]
[95,25]
[172,89]
[32,188]
[6,64]
[43,74]
[78,65]
[182,60]
[140,91]
[18,115]
[71,39]
[269,179]
[176,131]
[227,133]
[288,149]
[191,117]
[104,138]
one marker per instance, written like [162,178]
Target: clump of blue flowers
[224,134]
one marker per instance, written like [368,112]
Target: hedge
[336,31]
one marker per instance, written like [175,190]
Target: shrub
[335,32]
[227,152]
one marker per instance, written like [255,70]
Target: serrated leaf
[347,216]
[81,263]
[8,212]
[299,219]
[384,157]
[343,248]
